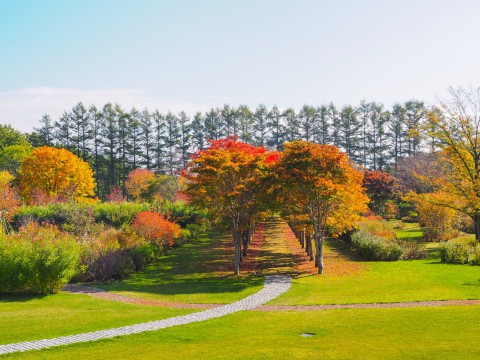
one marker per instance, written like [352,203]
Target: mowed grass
[32,318]
[410,232]
[397,281]
[407,333]
[197,272]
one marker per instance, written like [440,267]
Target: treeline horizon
[115,141]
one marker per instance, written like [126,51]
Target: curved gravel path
[273,287]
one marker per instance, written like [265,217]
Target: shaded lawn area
[410,232]
[396,281]
[25,318]
[420,333]
[197,272]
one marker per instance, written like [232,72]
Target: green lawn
[409,333]
[397,281]
[198,272]
[31,318]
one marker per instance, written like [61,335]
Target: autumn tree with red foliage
[323,185]
[380,188]
[226,180]
[155,228]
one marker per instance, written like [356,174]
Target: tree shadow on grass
[203,266]
[10,298]
[343,249]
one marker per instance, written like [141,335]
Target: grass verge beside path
[420,333]
[25,318]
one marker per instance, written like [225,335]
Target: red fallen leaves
[338,264]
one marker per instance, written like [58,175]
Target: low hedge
[372,247]
[460,253]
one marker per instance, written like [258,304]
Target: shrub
[156,229]
[474,255]
[118,214]
[110,264]
[144,254]
[438,222]
[413,250]
[380,228]
[373,247]
[460,253]
[80,220]
[454,253]
[180,212]
[37,260]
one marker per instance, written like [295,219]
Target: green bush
[372,247]
[44,214]
[181,213]
[452,253]
[460,253]
[37,260]
[143,255]
[118,214]
[413,250]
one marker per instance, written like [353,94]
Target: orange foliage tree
[226,180]
[57,173]
[138,181]
[323,185]
[9,199]
[155,228]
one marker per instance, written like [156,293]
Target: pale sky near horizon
[192,55]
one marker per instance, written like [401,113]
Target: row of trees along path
[312,185]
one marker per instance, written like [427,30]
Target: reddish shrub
[155,228]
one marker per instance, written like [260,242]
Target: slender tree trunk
[309,246]
[302,239]
[319,254]
[236,239]
[245,242]
[477,227]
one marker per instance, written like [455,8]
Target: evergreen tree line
[114,141]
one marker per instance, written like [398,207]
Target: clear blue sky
[192,55]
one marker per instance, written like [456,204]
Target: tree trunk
[319,254]
[309,246]
[245,242]
[477,227]
[302,239]
[236,240]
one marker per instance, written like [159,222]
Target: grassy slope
[420,333]
[31,318]
[198,272]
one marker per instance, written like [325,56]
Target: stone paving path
[273,287]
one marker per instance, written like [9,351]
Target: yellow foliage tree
[56,173]
[456,126]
